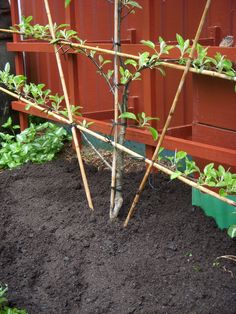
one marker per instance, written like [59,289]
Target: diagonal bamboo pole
[171,113]
[116,100]
[122,148]
[164,62]
[73,129]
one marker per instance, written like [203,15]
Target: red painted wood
[214,102]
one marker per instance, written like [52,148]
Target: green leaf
[128,115]
[132,62]
[8,123]
[222,192]
[181,155]
[153,132]
[67,2]
[175,175]
[232,231]
[136,76]
[143,59]
[208,168]
[148,43]
[100,58]
[109,74]
[180,40]
[122,71]
[132,3]
[7,67]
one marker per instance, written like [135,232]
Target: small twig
[102,73]
[127,13]
[96,151]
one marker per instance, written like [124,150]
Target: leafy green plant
[4,308]
[218,178]
[232,231]
[143,121]
[183,46]
[38,144]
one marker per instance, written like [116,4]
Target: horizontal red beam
[38,46]
[196,149]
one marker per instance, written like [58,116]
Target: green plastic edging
[224,214]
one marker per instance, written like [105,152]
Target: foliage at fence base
[224,214]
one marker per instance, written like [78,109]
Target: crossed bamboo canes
[70,116]
[120,147]
[116,100]
[170,115]
[131,56]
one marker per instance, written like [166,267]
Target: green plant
[232,231]
[142,120]
[4,308]
[218,178]
[38,144]
[216,264]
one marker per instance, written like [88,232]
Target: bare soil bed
[59,257]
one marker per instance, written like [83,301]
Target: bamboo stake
[73,129]
[131,56]
[229,257]
[170,115]
[122,148]
[116,99]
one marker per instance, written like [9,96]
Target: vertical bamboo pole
[171,112]
[116,100]
[70,116]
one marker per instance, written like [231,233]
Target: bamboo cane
[229,257]
[73,129]
[171,113]
[131,56]
[122,148]
[116,99]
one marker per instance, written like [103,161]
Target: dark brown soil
[58,257]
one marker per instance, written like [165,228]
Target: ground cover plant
[37,144]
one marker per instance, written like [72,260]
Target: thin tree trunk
[118,157]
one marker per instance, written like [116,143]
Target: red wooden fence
[204,123]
